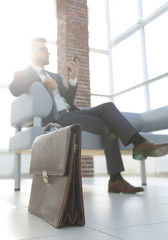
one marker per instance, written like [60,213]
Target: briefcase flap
[50,152]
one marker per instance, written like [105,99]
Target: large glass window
[132,101]
[99,73]
[97,24]
[149,6]
[96,100]
[158,93]
[123,14]
[20,21]
[52,48]
[139,53]
[5,127]
[127,63]
[157,46]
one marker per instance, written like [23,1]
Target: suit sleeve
[21,83]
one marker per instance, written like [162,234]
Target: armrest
[36,103]
[154,120]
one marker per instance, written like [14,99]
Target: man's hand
[74,66]
[50,83]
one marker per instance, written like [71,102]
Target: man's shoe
[122,186]
[148,149]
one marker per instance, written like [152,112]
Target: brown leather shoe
[122,186]
[148,149]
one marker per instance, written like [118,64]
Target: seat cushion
[93,141]
[23,140]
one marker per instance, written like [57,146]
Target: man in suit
[104,119]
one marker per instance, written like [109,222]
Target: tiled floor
[142,216]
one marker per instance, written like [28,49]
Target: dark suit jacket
[24,79]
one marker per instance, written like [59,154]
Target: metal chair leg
[17,171]
[143,173]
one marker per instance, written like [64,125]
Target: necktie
[54,110]
[43,71]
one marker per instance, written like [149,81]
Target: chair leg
[17,171]
[143,172]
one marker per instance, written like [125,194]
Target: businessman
[105,119]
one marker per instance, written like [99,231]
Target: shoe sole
[159,152]
[115,191]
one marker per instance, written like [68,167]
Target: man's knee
[109,105]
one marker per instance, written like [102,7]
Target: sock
[115,177]
[137,139]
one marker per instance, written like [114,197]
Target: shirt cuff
[73,82]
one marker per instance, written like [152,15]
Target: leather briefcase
[56,193]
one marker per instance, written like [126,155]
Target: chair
[28,110]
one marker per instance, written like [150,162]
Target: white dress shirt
[61,103]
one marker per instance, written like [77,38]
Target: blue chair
[28,110]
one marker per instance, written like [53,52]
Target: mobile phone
[74,60]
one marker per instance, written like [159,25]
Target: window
[135,58]
[20,21]
[157,46]
[127,63]
[99,73]
[5,128]
[132,101]
[158,93]
[123,14]
[149,6]
[97,24]
[114,67]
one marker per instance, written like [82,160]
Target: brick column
[72,40]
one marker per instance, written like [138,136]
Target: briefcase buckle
[45,177]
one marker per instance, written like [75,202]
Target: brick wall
[72,40]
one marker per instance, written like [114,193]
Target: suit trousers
[107,121]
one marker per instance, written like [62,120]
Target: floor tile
[147,232]
[108,215]
[94,235]
[19,224]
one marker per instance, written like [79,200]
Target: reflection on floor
[142,216]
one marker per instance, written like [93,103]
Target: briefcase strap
[50,125]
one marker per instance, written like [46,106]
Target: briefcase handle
[51,125]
